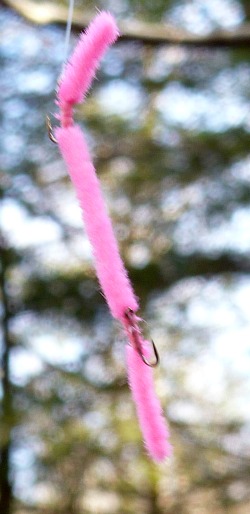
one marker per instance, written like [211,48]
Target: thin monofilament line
[68,30]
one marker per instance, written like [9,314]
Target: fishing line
[68,30]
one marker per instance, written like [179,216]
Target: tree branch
[148,33]
[175,267]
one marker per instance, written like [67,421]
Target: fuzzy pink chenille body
[115,284]
[110,270]
[149,411]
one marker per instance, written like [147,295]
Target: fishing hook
[134,336]
[50,130]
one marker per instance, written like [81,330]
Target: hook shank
[50,130]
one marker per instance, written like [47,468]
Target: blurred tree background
[168,125]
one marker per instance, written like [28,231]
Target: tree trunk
[6,406]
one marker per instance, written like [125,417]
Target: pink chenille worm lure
[113,277]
